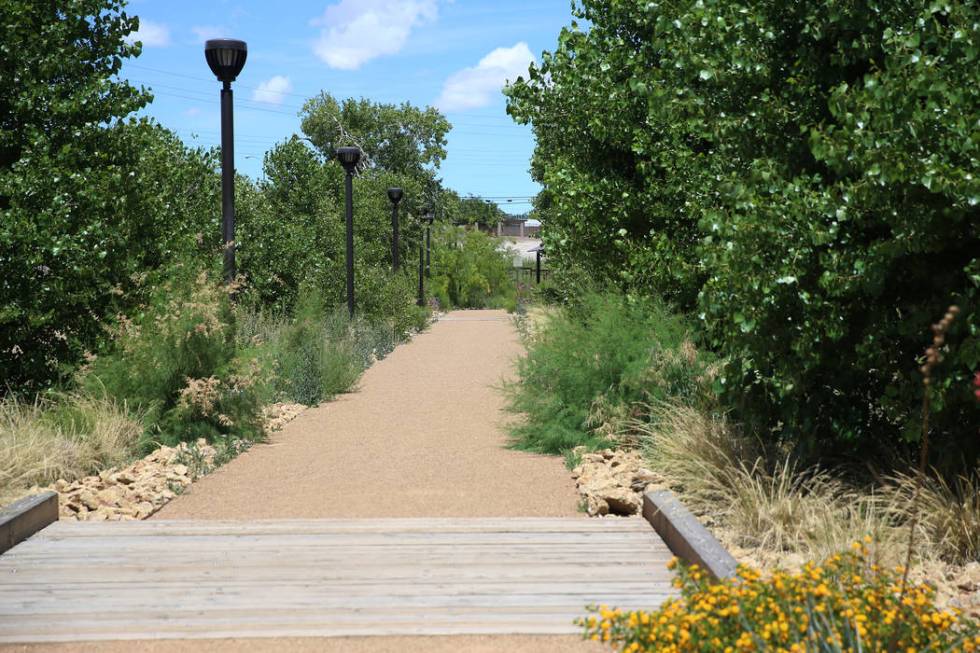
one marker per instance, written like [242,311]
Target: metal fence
[528,276]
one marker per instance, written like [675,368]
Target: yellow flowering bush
[846,604]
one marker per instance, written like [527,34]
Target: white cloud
[354,32]
[205,32]
[150,34]
[272,90]
[192,112]
[476,87]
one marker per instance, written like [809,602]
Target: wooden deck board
[159,579]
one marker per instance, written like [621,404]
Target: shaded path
[422,437]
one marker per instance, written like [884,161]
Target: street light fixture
[226,57]
[395,195]
[349,158]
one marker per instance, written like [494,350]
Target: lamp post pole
[421,299]
[228,180]
[427,218]
[537,267]
[428,247]
[395,195]
[349,157]
[226,58]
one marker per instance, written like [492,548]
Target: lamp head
[226,57]
[395,195]
[428,217]
[348,157]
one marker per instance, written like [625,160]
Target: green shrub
[594,363]
[390,299]
[317,352]
[468,271]
[316,358]
[179,364]
[803,178]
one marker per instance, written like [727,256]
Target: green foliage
[803,178]
[468,271]
[469,210]
[292,234]
[389,300]
[180,365]
[595,362]
[397,138]
[315,355]
[290,225]
[89,201]
[317,352]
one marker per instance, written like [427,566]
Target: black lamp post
[395,195]
[421,299]
[428,217]
[349,157]
[537,267]
[226,57]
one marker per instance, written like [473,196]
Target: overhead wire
[506,122]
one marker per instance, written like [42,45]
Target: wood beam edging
[24,517]
[685,536]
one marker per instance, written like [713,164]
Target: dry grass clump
[772,510]
[67,438]
[771,514]
[949,513]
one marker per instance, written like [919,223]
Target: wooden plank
[685,535]
[402,524]
[25,517]
[153,580]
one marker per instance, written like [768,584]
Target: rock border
[25,517]
[685,536]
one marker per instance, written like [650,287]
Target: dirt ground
[423,436]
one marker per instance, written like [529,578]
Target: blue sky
[453,54]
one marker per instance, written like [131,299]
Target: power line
[506,122]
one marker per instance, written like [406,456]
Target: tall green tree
[90,200]
[293,230]
[396,138]
[803,176]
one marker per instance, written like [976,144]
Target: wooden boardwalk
[327,577]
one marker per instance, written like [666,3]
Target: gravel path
[422,437]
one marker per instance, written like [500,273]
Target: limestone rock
[140,489]
[611,482]
[278,415]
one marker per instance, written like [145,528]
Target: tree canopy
[803,176]
[91,200]
[396,138]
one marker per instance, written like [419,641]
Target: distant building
[514,225]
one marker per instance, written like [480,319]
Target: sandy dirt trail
[423,436]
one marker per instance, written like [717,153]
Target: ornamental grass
[848,603]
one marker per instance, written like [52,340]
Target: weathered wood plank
[25,517]
[146,580]
[384,525]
